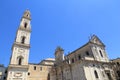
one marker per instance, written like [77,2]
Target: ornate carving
[21,50]
[18,74]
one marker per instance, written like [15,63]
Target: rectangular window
[101,53]
[34,67]
[73,60]
[79,57]
[6,72]
[96,74]
[4,78]
[40,68]
[109,76]
[87,53]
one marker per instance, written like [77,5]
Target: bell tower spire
[25,21]
[20,49]
[27,15]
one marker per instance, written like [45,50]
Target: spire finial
[27,14]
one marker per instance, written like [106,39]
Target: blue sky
[65,23]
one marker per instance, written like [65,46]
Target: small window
[6,72]
[4,78]
[28,73]
[20,61]
[40,68]
[96,74]
[25,25]
[79,57]
[73,60]
[118,63]
[87,53]
[101,53]
[118,73]
[34,67]
[48,78]
[23,40]
[109,76]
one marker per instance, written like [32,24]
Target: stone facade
[18,67]
[89,62]
[40,71]
[116,67]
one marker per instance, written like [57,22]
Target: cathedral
[89,62]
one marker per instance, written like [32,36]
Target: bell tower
[18,67]
[20,48]
[59,55]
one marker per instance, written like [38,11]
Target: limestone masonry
[89,62]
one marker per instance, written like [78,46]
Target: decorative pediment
[94,39]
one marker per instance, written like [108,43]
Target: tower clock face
[21,50]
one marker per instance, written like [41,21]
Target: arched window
[25,25]
[20,61]
[101,53]
[96,74]
[27,15]
[23,40]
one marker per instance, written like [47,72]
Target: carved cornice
[18,66]
[21,45]
[23,29]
